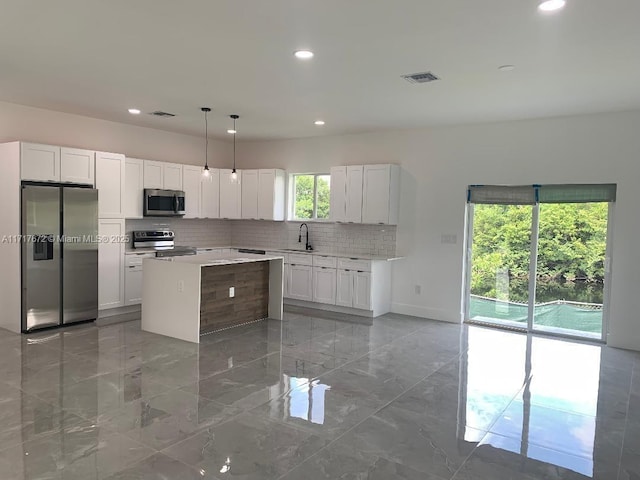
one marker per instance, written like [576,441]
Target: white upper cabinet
[250,194]
[192,186]
[230,194]
[153,174]
[338,194]
[173,176]
[162,175]
[39,162]
[133,188]
[271,194]
[381,191]
[346,194]
[110,182]
[210,195]
[354,194]
[77,166]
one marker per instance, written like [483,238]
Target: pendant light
[234,174]
[206,173]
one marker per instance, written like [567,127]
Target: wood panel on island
[250,300]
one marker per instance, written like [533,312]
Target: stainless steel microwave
[163,203]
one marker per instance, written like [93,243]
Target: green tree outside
[304,199]
[571,250]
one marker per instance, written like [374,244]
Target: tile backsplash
[196,232]
[324,237]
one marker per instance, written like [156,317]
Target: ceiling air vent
[424,77]
[160,113]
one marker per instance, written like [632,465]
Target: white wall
[18,122]
[439,163]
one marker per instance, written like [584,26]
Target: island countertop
[186,296]
[213,259]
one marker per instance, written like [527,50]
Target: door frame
[535,229]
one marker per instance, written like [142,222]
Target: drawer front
[135,259]
[300,259]
[324,261]
[354,264]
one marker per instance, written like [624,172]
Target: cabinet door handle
[360,271]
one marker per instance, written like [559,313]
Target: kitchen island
[185,297]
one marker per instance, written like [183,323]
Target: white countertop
[214,259]
[326,253]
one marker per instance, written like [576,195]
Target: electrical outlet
[232,292]
[418,289]
[180,285]
[449,238]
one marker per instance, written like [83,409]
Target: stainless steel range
[162,241]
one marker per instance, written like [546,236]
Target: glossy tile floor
[311,398]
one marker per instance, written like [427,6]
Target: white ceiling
[99,57]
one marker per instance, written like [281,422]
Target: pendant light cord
[234,144]
[206,141]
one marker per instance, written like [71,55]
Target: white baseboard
[329,308]
[120,314]
[424,312]
[627,342]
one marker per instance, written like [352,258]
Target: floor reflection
[314,397]
[546,392]
[306,399]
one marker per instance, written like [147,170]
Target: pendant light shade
[206,173]
[234,173]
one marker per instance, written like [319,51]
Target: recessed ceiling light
[303,54]
[506,68]
[134,111]
[319,122]
[551,5]
[231,131]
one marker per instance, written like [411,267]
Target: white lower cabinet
[362,290]
[110,263]
[355,283]
[353,289]
[133,277]
[344,288]
[324,285]
[300,279]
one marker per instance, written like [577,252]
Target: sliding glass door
[537,257]
[572,240]
[500,266]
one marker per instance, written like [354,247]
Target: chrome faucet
[307,245]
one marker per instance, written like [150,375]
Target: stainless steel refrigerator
[59,255]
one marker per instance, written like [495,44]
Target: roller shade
[532,194]
[604,192]
[502,194]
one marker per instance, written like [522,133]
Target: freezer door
[79,254]
[40,257]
